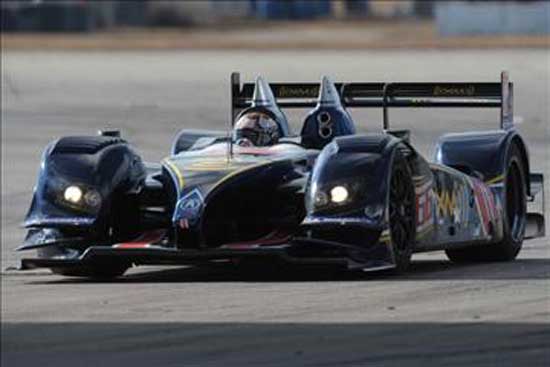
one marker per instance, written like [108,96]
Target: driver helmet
[256,128]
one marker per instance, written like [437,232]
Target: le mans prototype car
[325,196]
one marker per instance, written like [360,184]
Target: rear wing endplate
[386,95]
[536,209]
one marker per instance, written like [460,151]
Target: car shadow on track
[272,272]
[145,344]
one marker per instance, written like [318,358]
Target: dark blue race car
[325,196]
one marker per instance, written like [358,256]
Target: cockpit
[264,124]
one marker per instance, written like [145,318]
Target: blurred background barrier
[86,15]
[453,18]
[492,17]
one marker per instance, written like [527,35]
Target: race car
[258,192]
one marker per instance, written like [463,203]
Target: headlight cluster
[82,198]
[76,196]
[344,196]
[335,195]
[338,194]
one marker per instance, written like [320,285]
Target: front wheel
[402,213]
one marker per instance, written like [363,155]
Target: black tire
[402,213]
[514,218]
[102,270]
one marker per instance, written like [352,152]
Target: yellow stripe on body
[241,170]
[176,171]
[228,165]
[495,180]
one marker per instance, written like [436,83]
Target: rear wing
[386,95]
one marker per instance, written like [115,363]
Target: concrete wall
[458,18]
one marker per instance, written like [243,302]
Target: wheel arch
[484,152]
[518,141]
[339,164]
[104,164]
[373,153]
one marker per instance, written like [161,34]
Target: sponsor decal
[298,92]
[466,201]
[191,201]
[424,210]
[189,208]
[486,205]
[452,198]
[443,91]
[446,203]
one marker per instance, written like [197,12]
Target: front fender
[362,166]
[104,165]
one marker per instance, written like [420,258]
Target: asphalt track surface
[438,314]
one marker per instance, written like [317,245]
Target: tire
[402,213]
[101,270]
[514,218]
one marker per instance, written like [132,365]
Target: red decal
[132,245]
[274,238]
[423,208]
[486,204]
[143,241]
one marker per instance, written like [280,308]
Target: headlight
[321,199]
[73,194]
[92,198]
[339,194]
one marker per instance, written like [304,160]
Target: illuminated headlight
[339,194]
[73,194]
